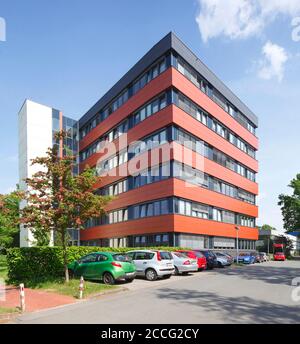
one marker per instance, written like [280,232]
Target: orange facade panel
[155,224]
[167,224]
[185,224]
[198,97]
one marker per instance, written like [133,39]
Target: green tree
[267,227]
[290,206]
[59,200]
[9,218]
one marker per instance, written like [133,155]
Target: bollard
[22,297]
[81,287]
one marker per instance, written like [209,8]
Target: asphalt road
[259,293]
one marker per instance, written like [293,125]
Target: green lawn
[5,310]
[3,267]
[72,288]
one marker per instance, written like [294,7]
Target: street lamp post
[237,244]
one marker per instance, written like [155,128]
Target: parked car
[264,256]
[279,256]
[106,266]
[222,259]
[183,264]
[229,256]
[211,258]
[152,264]
[258,258]
[245,258]
[201,260]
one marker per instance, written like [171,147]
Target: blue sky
[66,54]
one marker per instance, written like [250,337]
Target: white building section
[35,137]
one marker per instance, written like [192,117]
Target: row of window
[146,111]
[192,109]
[210,91]
[151,73]
[177,170]
[158,104]
[135,149]
[156,69]
[179,135]
[211,153]
[172,205]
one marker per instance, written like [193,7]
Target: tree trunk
[67,279]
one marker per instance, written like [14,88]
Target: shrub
[33,264]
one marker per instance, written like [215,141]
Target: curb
[107,292]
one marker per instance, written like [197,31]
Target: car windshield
[121,257]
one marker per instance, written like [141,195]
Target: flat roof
[169,42]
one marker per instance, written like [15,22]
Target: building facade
[37,126]
[177,149]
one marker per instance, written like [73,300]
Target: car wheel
[108,279]
[176,271]
[220,265]
[200,269]
[151,275]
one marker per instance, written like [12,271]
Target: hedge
[28,264]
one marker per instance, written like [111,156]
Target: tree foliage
[267,227]
[57,200]
[9,218]
[290,206]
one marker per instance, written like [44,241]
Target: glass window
[164,207]
[181,205]
[156,208]
[150,209]
[143,210]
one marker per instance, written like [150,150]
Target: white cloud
[239,19]
[273,62]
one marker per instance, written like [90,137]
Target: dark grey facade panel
[170,41]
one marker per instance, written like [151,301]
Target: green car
[106,266]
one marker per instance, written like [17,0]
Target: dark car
[211,259]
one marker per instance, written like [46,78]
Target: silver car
[264,256]
[152,264]
[184,264]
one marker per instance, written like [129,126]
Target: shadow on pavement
[234,309]
[268,274]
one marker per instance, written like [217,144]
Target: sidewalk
[35,299]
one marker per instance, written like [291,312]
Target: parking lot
[259,293]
